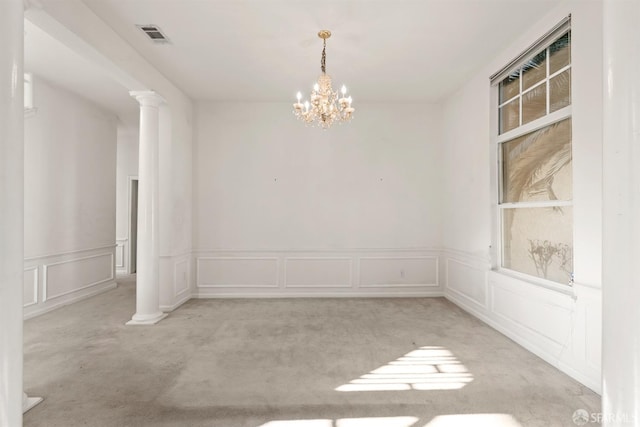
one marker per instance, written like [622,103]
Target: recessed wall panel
[181,277]
[30,287]
[535,314]
[318,272]
[221,272]
[467,280]
[120,255]
[398,271]
[64,277]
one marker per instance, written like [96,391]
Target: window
[534,156]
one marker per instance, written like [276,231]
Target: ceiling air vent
[154,33]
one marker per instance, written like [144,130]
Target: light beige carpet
[288,363]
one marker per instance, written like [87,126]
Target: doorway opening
[133,223]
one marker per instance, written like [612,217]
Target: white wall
[70,165]
[264,183]
[563,328]
[126,168]
[76,25]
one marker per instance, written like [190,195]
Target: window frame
[497,140]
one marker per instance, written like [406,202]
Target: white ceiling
[48,58]
[267,50]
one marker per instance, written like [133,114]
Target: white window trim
[497,140]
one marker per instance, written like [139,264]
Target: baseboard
[416,294]
[96,290]
[170,308]
[592,383]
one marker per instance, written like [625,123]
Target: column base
[29,402]
[146,319]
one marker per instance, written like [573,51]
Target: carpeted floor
[288,363]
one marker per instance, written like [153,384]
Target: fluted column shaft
[148,262]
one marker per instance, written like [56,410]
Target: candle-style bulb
[349,99]
[344,90]
[316,87]
[299,96]
[306,105]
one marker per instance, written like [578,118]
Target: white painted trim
[547,356]
[542,122]
[120,258]
[178,292]
[468,257]
[558,354]
[178,255]
[170,308]
[483,271]
[314,250]
[404,285]
[316,294]
[276,259]
[104,287]
[61,254]
[35,286]
[29,403]
[535,281]
[537,204]
[46,297]
[347,286]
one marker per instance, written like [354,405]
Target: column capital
[147,98]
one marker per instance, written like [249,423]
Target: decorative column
[621,214]
[11,210]
[148,261]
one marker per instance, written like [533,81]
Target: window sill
[535,281]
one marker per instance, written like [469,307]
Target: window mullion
[548,81]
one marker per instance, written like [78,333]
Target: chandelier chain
[323,65]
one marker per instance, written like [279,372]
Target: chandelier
[325,107]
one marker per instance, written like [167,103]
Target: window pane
[509,87]
[539,242]
[560,53]
[510,116]
[534,70]
[560,91]
[534,103]
[537,166]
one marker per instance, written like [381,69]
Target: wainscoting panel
[225,272]
[317,273]
[30,286]
[55,280]
[86,272]
[175,281]
[560,326]
[382,272]
[121,256]
[468,280]
[181,277]
[305,272]
[552,321]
